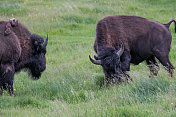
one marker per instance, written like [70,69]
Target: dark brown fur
[19,49]
[143,39]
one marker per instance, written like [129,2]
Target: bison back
[133,31]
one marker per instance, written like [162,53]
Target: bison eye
[36,43]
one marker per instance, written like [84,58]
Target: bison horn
[97,62]
[120,52]
[45,42]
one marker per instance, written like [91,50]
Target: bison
[121,40]
[19,49]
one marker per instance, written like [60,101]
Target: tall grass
[71,85]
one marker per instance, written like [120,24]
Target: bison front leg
[153,66]
[8,76]
[10,89]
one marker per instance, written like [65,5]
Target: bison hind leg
[163,57]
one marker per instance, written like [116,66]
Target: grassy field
[72,86]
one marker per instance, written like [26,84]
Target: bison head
[38,59]
[109,59]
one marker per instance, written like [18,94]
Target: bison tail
[175,25]
[168,24]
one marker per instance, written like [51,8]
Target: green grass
[71,85]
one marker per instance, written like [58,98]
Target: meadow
[72,86]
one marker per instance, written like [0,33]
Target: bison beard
[143,39]
[37,67]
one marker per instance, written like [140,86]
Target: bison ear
[14,22]
[35,43]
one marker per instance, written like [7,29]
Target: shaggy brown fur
[19,49]
[143,39]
